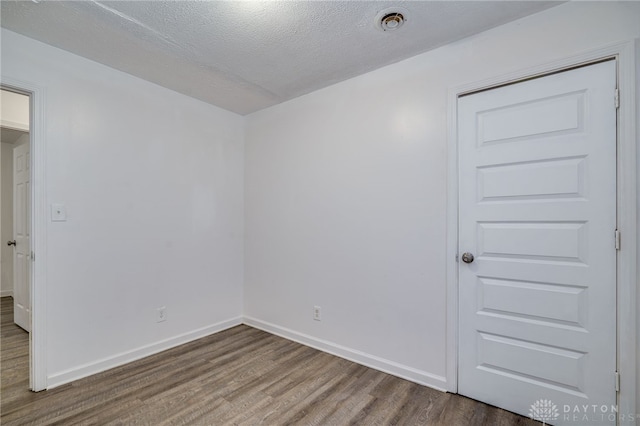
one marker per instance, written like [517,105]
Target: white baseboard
[6,293]
[133,355]
[372,361]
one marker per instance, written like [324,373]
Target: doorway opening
[15,233]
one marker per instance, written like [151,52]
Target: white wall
[346,192]
[14,110]
[153,182]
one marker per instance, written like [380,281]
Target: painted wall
[14,110]
[152,181]
[6,204]
[346,193]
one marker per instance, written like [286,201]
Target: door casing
[627,165]
[37,336]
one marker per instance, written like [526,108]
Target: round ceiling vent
[391,19]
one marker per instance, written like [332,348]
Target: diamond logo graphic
[544,411]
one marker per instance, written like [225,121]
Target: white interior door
[21,234]
[537,205]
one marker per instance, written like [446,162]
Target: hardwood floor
[240,376]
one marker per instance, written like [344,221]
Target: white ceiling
[247,55]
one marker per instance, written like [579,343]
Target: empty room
[319,212]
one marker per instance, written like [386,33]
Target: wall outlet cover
[161,314]
[58,212]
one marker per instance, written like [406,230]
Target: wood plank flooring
[241,376]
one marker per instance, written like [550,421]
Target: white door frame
[38,336]
[627,165]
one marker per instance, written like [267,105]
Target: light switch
[58,213]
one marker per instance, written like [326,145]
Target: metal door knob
[467,257]
[11,243]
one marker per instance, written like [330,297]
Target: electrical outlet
[317,313]
[58,213]
[161,314]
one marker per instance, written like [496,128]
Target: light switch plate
[58,213]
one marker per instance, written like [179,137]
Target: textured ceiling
[247,55]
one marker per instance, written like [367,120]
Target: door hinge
[617,240]
[617,376]
[33,256]
[617,98]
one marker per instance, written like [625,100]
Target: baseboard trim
[6,293]
[99,366]
[368,360]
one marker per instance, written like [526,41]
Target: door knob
[11,243]
[467,257]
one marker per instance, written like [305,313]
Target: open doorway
[15,244]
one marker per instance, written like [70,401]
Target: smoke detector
[391,19]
